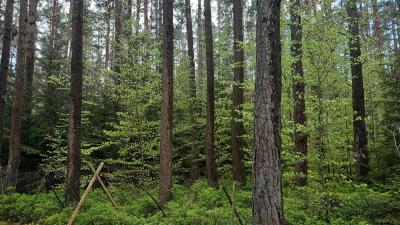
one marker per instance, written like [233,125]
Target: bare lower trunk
[212,174]
[16,119]
[267,175]
[74,161]
[167,103]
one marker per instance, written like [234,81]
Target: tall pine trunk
[117,57]
[16,118]
[237,126]
[30,56]
[212,174]
[72,183]
[167,103]
[360,133]
[5,62]
[267,175]
[194,173]
[299,116]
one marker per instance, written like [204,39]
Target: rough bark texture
[212,174]
[360,134]
[72,183]
[30,55]
[5,62]
[267,177]
[16,118]
[107,54]
[194,164]
[237,95]
[68,36]
[377,28]
[299,116]
[199,41]
[117,57]
[167,103]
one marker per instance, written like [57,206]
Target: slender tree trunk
[107,54]
[199,42]
[393,24]
[299,116]
[30,55]
[117,57]
[16,118]
[194,164]
[212,173]
[137,16]
[160,23]
[360,134]
[146,29]
[239,172]
[68,36]
[5,62]
[54,22]
[167,103]
[267,175]
[74,161]
[377,29]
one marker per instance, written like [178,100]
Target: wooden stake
[104,188]
[86,193]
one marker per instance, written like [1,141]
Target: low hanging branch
[230,201]
[151,196]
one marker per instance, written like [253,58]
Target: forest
[200,112]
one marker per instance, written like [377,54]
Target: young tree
[194,164]
[267,176]
[237,95]
[5,62]
[16,118]
[212,173]
[167,102]
[72,182]
[360,133]
[299,116]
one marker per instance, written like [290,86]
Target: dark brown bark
[54,23]
[16,118]
[137,16]
[146,28]
[267,176]
[199,41]
[30,55]
[360,134]
[117,56]
[239,173]
[299,116]
[212,173]
[107,54]
[194,163]
[167,103]
[74,161]
[377,28]
[5,62]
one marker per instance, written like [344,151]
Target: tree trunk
[199,42]
[146,28]
[167,103]
[299,116]
[239,172]
[267,176]
[68,37]
[393,24]
[72,182]
[107,54]
[5,62]
[377,28]
[360,134]
[212,173]
[117,56]
[194,163]
[16,118]
[30,55]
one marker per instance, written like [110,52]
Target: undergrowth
[197,204]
